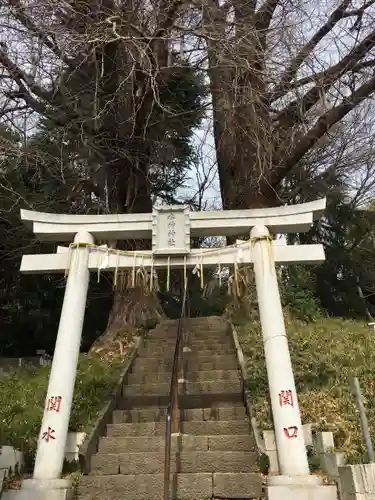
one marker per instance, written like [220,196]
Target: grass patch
[23,397]
[325,354]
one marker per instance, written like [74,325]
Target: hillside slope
[325,354]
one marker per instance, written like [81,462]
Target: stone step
[205,387]
[197,332]
[206,363]
[204,350]
[166,353]
[210,339]
[212,375]
[201,336]
[193,376]
[159,414]
[186,401]
[181,442]
[199,486]
[196,428]
[193,343]
[211,322]
[181,462]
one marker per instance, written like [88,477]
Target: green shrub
[325,355]
[23,393]
[298,292]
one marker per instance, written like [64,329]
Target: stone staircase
[213,456]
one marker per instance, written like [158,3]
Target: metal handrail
[173,407]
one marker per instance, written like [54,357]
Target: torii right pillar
[295,481]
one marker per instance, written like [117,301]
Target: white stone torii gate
[170,229]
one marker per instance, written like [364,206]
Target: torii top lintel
[286,219]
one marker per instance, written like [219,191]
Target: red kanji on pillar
[54,403]
[48,435]
[291,432]
[286,398]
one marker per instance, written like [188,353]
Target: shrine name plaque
[171,230]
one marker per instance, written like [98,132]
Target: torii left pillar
[46,482]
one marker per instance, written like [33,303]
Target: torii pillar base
[42,489]
[299,488]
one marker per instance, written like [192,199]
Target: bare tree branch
[44,36]
[360,11]
[320,76]
[11,109]
[306,141]
[313,95]
[264,14]
[167,15]
[307,49]
[22,79]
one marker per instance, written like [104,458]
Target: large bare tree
[105,73]
[285,77]
[283,74]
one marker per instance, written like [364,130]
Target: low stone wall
[7,365]
[322,443]
[241,363]
[12,460]
[91,442]
[74,442]
[11,463]
[354,482]
[357,482]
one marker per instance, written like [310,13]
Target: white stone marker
[286,415]
[54,430]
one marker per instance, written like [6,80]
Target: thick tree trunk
[125,140]
[130,193]
[131,312]
[126,153]
[133,307]
[242,123]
